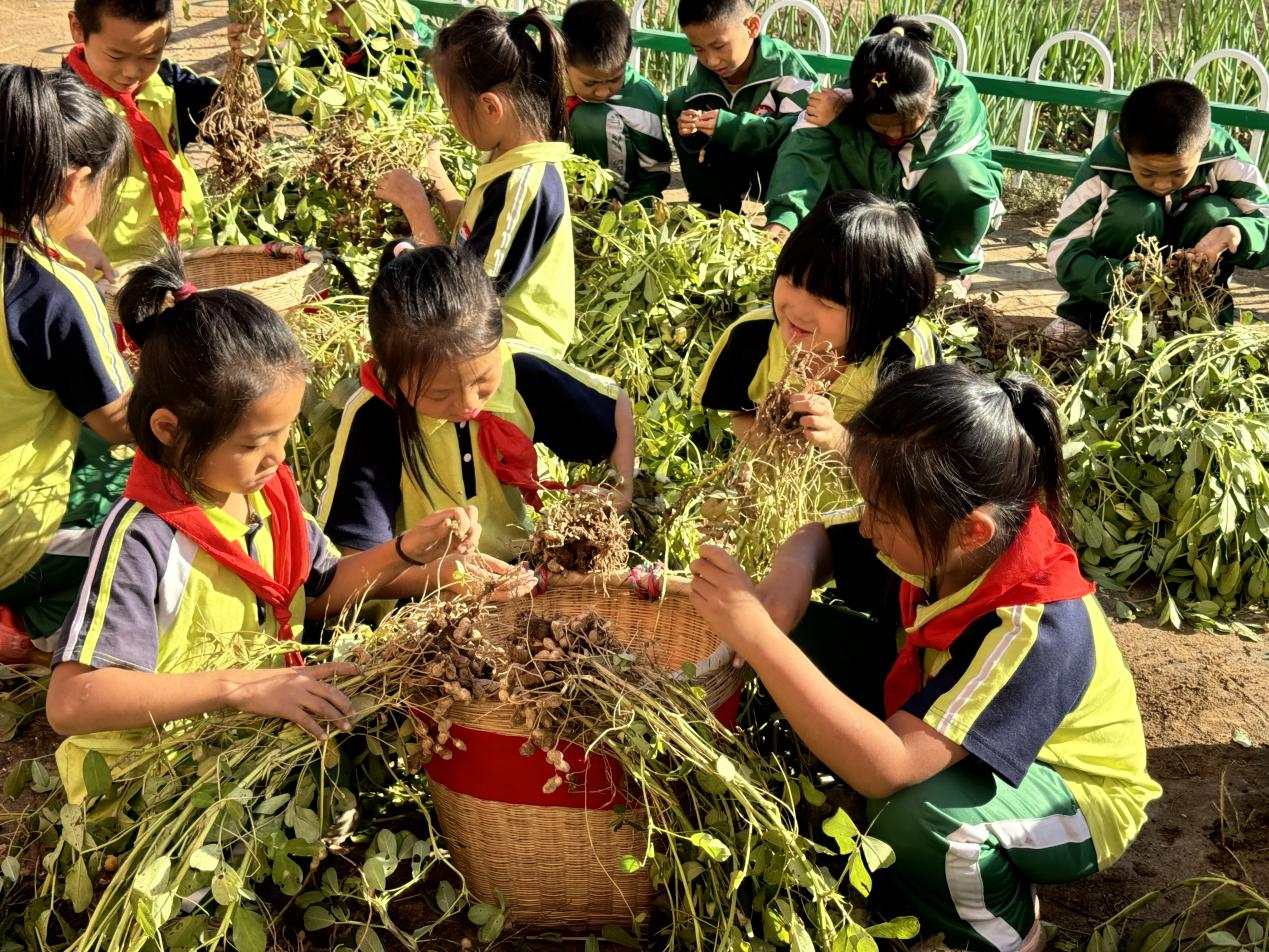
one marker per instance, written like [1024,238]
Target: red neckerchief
[505,448]
[291,557]
[166,183]
[352,59]
[893,142]
[1036,569]
[8,234]
[571,103]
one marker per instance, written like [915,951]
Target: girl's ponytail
[149,290]
[1038,417]
[893,69]
[546,62]
[32,151]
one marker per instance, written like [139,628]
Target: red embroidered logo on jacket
[762,109]
[1198,191]
[464,233]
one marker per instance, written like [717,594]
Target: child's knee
[961,183]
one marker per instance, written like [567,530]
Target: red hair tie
[183,292]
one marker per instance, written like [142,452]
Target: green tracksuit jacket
[626,136]
[720,170]
[1106,210]
[945,170]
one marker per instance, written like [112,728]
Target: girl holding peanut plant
[1004,746]
[209,558]
[449,411]
[505,86]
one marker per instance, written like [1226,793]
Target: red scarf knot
[166,183]
[1036,569]
[150,484]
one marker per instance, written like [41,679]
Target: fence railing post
[1262,74]
[952,30]
[817,16]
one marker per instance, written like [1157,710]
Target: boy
[614,114]
[119,53]
[1167,172]
[739,104]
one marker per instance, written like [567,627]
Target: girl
[1006,748]
[59,368]
[449,412]
[506,95]
[909,127]
[210,557]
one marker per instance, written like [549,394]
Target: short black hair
[597,34]
[145,12]
[711,11]
[1165,117]
[893,70]
[867,254]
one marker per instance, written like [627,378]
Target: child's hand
[1218,241]
[692,121]
[819,426]
[825,105]
[477,572]
[401,188]
[779,234]
[299,695]
[84,247]
[726,598]
[236,33]
[621,496]
[435,168]
[448,531]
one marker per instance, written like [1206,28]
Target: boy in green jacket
[909,128]
[1167,173]
[739,104]
[614,114]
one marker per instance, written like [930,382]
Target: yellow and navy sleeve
[1012,678]
[363,490]
[115,621]
[519,214]
[325,559]
[192,95]
[725,380]
[574,412]
[61,337]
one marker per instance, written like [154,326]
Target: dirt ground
[1195,690]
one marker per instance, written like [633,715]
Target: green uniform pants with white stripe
[969,848]
[1136,212]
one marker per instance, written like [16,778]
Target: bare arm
[84,700]
[802,564]
[111,421]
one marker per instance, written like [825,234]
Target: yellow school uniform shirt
[370,496]
[58,363]
[517,220]
[1046,683]
[174,100]
[152,600]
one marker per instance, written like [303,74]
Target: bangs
[816,266]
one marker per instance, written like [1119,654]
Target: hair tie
[879,80]
[898,31]
[183,292]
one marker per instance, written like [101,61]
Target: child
[739,104]
[505,91]
[59,368]
[1167,172]
[450,412]
[210,557]
[910,127]
[119,53]
[614,114]
[1008,748]
[853,278]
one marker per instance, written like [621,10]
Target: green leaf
[11,869]
[225,885]
[491,929]
[71,818]
[18,777]
[273,804]
[205,858]
[97,779]
[153,879]
[78,887]
[619,936]
[446,896]
[1221,937]
[877,853]
[481,912]
[317,918]
[711,845]
[630,865]
[725,768]
[248,930]
[332,97]
[904,927]
[858,875]
[810,793]
[305,823]
[368,938]
[375,871]
[592,944]
[843,831]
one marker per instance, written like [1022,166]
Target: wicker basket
[559,866]
[282,280]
